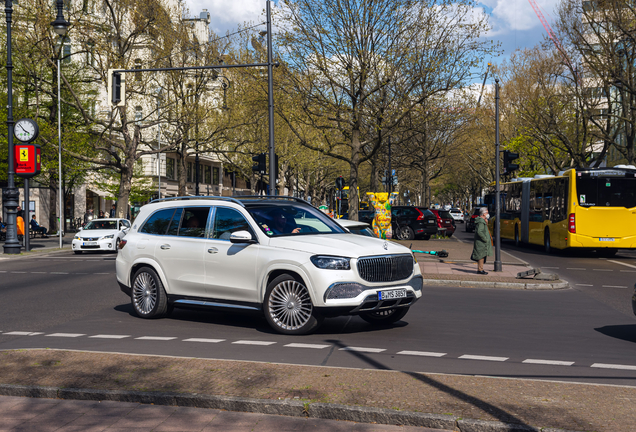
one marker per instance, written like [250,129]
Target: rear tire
[388,316]
[148,296]
[547,246]
[288,307]
[406,233]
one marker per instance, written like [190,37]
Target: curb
[34,252]
[287,407]
[501,285]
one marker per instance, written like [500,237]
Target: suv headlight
[331,262]
[109,236]
[77,237]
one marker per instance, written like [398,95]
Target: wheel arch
[296,273]
[153,265]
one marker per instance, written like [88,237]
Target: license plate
[89,244]
[606,239]
[393,294]
[431,221]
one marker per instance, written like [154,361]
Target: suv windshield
[444,214]
[289,219]
[101,225]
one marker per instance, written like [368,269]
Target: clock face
[25,130]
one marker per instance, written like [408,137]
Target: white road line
[613,366]
[621,263]
[101,273]
[69,335]
[574,268]
[157,338]
[602,270]
[551,267]
[628,271]
[17,272]
[361,349]
[101,336]
[79,273]
[246,342]
[422,353]
[203,340]
[38,272]
[583,285]
[487,358]
[613,286]
[59,273]
[22,333]
[3,271]
[548,362]
[300,345]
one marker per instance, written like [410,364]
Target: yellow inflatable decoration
[382,203]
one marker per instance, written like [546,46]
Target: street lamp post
[10,194]
[497,265]
[60,26]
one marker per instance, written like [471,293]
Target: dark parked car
[470,218]
[366,216]
[412,222]
[445,222]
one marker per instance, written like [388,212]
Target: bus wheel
[517,240]
[546,241]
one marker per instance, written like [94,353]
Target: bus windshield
[606,191]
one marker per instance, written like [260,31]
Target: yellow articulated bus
[591,208]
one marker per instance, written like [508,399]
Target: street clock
[26,130]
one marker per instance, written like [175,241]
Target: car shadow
[626,332]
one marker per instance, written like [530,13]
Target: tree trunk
[183,173]
[125,183]
[354,199]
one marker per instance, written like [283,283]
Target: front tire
[383,317]
[148,296]
[288,307]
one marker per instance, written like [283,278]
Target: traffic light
[116,88]
[261,163]
[508,157]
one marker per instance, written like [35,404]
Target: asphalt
[66,390]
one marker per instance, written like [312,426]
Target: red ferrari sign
[27,160]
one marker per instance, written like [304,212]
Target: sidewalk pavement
[312,393]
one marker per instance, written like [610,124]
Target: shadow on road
[626,332]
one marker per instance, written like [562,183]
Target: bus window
[606,191]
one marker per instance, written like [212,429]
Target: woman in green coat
[482,247]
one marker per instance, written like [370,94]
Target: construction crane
[550,33]
[481,93]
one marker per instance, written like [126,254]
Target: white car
[100,235]
[356,227]
[457,215]
[277,255]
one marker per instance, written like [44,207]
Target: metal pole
[390,174]
[270,98]
[60,230]
[497,266]
[11,194]
[159,145]
[27,218]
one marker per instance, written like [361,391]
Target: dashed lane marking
[18,272]
[59,273]
[422,353]
[362,349]
[622,263]
[574,268]
[68,335]
[486,358]
[203,340]
[553,268]
[247,342]
[583,285]
[602,270]
[101,273]
[101,336]
[613,366]
[23,333]
[548,362]
[628,271]
[301,345]
[614,286]
[155,338]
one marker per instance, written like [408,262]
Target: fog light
[344,290]
[110,245]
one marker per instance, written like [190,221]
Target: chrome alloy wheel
[144,293]
[290,305]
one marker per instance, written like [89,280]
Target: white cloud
[228,15]
[510,15]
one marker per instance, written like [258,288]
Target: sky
[513,22]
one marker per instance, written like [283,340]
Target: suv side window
[158,222]
[194,221]
[227,221]
[173,229]
[125,223]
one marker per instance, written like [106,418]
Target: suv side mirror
[241,237]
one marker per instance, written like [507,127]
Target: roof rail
[194,197]
[267,197]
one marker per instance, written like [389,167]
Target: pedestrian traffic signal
[261,163]
[116,88]
[508,157]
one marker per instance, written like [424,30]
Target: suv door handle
[213,250]
[165,246]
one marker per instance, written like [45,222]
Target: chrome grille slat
[386,268]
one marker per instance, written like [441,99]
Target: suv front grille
[385,268]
